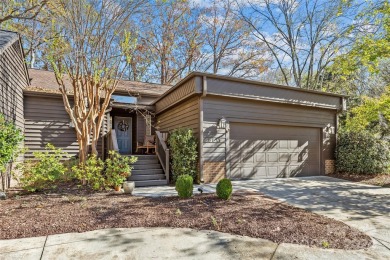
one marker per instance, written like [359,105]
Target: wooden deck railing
[162,152]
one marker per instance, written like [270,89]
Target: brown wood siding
[273,94]
[239,111]
[184,115]
[180,93]
[13,80]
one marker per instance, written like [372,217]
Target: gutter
[201,160]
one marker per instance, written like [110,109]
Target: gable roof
[7,38]
[44,81]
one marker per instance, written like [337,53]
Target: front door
[123,126]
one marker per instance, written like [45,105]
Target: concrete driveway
[364,207]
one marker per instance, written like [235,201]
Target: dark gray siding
[141,128]
[184,115]
[46,121]
[13,79]
[268,92]
[249,111]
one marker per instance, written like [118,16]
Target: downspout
[204,93]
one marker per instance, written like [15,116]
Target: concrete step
[150,183]
[149,171]
[145,177]
[146,166]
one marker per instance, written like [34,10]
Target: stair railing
[113,144]
[162,152]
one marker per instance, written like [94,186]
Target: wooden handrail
[162,154]
[114,141]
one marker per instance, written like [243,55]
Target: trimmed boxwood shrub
[184,153]
[184,186]
[361,152]
[224,189]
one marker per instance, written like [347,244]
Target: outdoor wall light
[329,129]
[222,123]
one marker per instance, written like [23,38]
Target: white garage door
[270,151]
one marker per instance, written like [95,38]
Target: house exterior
[13,77]
[269,130]
[246,129]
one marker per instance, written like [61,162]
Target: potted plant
[118,169]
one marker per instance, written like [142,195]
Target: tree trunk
[94,148]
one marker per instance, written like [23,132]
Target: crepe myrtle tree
[88,59]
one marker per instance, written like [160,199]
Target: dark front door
[123,126]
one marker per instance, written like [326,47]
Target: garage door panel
[269,151]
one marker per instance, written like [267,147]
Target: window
[148,120]
[124,99]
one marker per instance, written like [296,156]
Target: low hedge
[361,152]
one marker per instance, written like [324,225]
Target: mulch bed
[247,214]
[382,180]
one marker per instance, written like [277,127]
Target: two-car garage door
[269,151]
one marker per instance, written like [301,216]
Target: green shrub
[10,137]
[361,152]
[118,168]
[184,186]
[44,170]
[184,154]
[224,189]
[91,172]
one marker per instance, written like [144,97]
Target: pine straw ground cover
[246,214]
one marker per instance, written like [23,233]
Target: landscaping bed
[382,180]
[246,214]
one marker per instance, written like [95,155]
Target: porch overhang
[133,106]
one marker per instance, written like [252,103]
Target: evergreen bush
[184,186]
[361,152]
[184,153]
[224,189]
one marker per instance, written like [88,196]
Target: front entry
[123,127]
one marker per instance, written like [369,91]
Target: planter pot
[128,187]
[117,188]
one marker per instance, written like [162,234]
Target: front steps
[147,171]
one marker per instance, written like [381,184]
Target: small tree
[10,137]
[184,154]
[89,57]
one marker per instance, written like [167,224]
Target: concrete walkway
[164,243]
[362,206]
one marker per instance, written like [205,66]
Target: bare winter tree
[228,44]
[20,9]
[171,34]
[302,35]
[88,59]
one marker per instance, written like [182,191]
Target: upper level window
[124,99]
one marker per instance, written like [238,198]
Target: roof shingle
[7,38]
[44,81]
